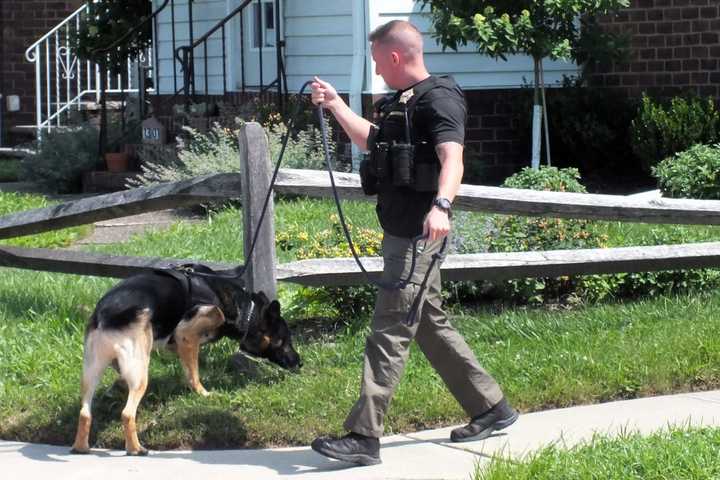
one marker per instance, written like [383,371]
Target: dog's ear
[274,309]
[270,315]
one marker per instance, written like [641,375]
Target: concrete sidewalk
[416,456]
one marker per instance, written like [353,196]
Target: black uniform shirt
[438,116]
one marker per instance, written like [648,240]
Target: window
[263,24]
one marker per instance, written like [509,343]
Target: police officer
[415,167]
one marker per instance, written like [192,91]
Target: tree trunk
[537,118]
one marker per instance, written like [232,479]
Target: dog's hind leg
[134,361]
[190,334]
[95,361]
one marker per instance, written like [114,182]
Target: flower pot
[117,162]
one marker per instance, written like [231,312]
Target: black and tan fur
[180,313]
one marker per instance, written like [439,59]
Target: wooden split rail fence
[250,186]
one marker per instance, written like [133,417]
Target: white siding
[206,13]
[470,69]
[318,39]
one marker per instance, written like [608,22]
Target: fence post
[255,173]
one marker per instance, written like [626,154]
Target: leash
[391,285]
[399,284]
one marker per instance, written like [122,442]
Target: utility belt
[400,164]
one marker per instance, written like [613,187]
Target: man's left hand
[437,224]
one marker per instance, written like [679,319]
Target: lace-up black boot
[498,417]
[353,448]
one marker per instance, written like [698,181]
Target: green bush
[60,158]
[660,131]
[642,284]
[521,234]
[694,173]
[346,302]
[217,151]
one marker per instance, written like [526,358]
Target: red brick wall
[22,22]
[675,48]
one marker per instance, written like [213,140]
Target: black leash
[392,285]
[239,271]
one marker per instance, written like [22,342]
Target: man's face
[387,63]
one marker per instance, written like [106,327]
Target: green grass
[16,202]
[678,454]
[542,358]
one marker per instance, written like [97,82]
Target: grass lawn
[542,358]
[678,454]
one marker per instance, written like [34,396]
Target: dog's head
[252,319]
[268,334]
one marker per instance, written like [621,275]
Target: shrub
[641,284]
[519,234]
[334,301]
[217,151]
[661,131]
[694,173]
[60,158]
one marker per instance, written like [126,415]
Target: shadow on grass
[170,415]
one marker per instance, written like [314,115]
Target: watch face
[443,203]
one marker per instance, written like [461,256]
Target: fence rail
[250,185]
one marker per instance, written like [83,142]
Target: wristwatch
[443,204]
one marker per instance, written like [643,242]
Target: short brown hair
[384,32]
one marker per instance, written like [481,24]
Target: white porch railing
[63,81]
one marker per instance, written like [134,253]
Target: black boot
[353,448]
[498,417]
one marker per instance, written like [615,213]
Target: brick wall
[22,22]
[675,48]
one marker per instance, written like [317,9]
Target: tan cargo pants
[388,345]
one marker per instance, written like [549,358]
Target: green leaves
[694,173]
[108,21]
[540,28]
[660,131]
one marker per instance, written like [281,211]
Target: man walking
[415,168]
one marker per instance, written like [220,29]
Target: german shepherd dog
[180,310]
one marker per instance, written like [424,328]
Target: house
[329,39]
[675,47]
[22,22]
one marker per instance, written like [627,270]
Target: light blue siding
[206,13]
[470,69]
[318,39]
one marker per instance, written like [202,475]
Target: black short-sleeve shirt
[438,116]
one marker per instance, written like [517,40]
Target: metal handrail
[29,51]
[186,58]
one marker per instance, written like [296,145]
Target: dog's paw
[79,451]
[143,452]
[203,392]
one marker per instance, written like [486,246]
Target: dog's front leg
[190,334]
[188,350]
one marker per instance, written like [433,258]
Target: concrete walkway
[416,456]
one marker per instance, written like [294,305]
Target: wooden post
[255,173]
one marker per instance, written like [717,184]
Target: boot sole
[358,458]
[483,434]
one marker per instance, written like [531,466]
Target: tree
[555,29]
[114,31]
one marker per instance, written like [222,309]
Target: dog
[179,309]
